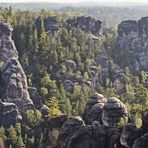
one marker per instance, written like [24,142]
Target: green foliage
[65,104]
[33,117]
[43,57]
[12,135]
[2,133]
[138,121]
[54,107]
[121,122]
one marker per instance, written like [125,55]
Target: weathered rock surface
[145,122]
[104,69]
[113,111]
[141,142]
[51,133]
[9,114]
[69,85]
[94,108]
[35,96]
[71,132]
[132,44]
[70,64]
[16,88]
[86,24]
[51,25]
[129,135]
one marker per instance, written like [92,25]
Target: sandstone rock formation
[15,82]
[132,44]
[72,132]
[51,25]
[35,96]
[9,114]
[94,108]
[141,142]
[86,24]
[113,111]
[104,69]
[70,64]
[52,131]
[129,135]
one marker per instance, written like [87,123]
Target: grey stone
[86,24]
[141,142]
[9,114]
[131,48]
[129,135]
[94,108]
[113,111]
[71,65]
[51,25]
[35,96]
[12,72]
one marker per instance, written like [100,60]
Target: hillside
[74,80]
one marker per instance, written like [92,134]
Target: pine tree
[35,39]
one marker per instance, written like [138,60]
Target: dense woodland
[42,57]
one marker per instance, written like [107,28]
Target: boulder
[44,110]
[129,135]
[94,108]
[71,125]
[127,27]
[70,64]
[69,85]
[51,133]
[114,111]
[88,136]
[119,83]
[143,26]
[35,96]
[141,142]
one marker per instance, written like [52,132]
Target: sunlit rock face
[16,88]
[131,47]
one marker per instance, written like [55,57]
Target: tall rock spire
[12,72]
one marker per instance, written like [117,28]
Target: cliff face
[86,24]
[14,88]
[100,127]
[51,25]
[131,47]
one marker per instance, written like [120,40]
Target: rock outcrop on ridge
[74,132]
[14,88]
[131,47]
[105,125]
[86,24]
[51,25]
